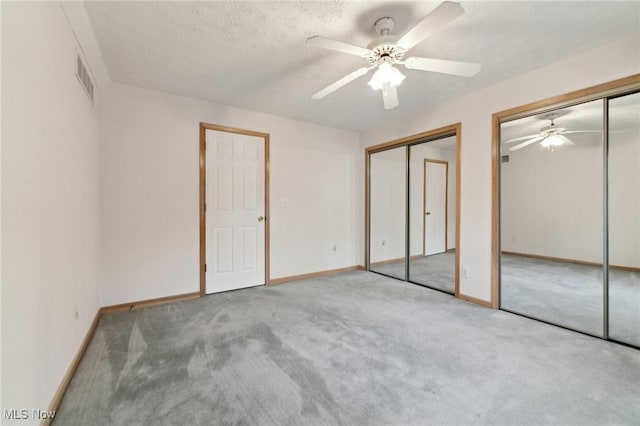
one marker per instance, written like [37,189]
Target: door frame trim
[446,204]
[429,135]
[203,182]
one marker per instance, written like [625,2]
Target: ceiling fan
[387,50]
[550,136]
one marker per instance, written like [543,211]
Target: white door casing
[435,214]
[235,211]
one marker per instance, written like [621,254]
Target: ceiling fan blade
[389,96]
[462,69]
[565,140]
[438,18]
[338,46]
[527,143]
[581,131]
[338,84]
[523,138]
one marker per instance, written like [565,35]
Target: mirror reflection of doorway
[435,206]
[412,210]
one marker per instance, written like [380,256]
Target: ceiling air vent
[84,77]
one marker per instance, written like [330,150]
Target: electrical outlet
[465,272]
[334,248]
[383,243]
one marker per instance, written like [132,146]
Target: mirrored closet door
[412,210]
[432,212]
[624,218]
[387,200]
[570,216]
[551,216]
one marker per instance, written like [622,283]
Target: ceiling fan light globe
[386,74]
[552,141]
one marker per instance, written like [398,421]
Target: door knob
[428,213]
[261,218]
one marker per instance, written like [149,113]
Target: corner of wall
[50,235]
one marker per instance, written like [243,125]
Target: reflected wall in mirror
[387,213]
[624,218]
[551,214]
[432,213]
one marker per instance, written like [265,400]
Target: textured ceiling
[253,54]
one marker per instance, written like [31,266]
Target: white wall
[1,286]
[149,188]
[551,201]
[608,63]
[624,191]
[50,204]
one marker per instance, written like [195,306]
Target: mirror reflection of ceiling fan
[550,136]
[386,51]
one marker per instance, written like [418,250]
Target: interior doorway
[234,193]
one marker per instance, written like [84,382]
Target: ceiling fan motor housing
[551,130]
[384,48]
[385,51]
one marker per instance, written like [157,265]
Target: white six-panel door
[435,228]
[235,211]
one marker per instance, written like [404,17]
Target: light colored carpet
[436,271]
[571,295]
[354,349]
